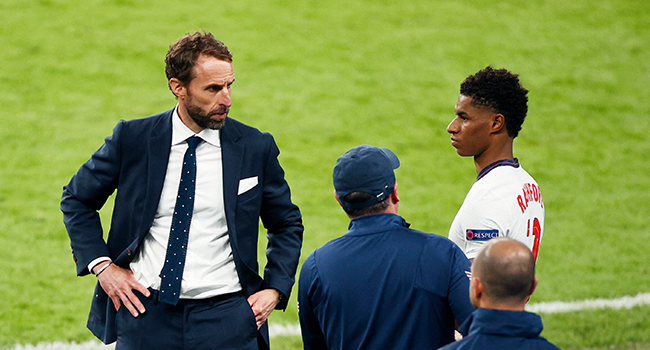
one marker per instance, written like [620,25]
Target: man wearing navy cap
[381,285]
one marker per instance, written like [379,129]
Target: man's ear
[395,195]
[337,198]
[498,123]
[477,284]
[534,286]
[177,87]
[475,291]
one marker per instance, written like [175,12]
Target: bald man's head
[506,268]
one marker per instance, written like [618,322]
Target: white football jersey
[503,202]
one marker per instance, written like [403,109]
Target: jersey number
[537,232]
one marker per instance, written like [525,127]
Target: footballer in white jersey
[503,202]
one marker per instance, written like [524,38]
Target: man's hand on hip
[263,303]
[119,284]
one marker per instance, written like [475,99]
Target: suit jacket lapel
[231,153]
[158,148]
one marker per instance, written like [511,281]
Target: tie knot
[193,142]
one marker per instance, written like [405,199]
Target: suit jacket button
[128,252]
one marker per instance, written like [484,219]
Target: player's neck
[493,154]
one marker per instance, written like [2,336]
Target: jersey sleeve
[456,232]
[479,220]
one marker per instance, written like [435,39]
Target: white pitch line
[283,330]
[552,307]
[626,302]
[275,330]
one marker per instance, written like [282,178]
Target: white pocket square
[246,184]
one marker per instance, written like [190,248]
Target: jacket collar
[502,322]
[375,223]
[503,162]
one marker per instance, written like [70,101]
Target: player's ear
[177,87]
[498,123]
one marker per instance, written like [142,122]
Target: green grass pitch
[322,77]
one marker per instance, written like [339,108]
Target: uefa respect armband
[481,235]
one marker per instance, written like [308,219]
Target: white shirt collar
[180,132]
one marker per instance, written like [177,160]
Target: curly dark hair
[499,90]
[185,51]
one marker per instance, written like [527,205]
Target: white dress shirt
[209,265]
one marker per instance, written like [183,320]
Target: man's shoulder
[399,237]
[135,130]
[499,184]
[505,177]
[238,132]
[422,238]
[329,247]
[322,256]
[443,247]
[151,119]
[234,125]
[486,342]
[546,345]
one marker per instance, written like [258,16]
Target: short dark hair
[185,51]
[360,197]
[501,91]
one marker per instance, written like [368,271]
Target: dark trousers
[222,322]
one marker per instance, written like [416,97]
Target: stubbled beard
[204,120]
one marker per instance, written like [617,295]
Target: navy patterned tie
[172,271]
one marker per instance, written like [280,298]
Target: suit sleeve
[312,334]
[82,198]
[283,221]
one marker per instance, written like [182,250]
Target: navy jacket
[490,329]
[383,286]
[133,162]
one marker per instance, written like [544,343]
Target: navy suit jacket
[134,160]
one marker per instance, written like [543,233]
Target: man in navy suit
[222,301]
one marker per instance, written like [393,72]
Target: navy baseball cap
[367,169]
